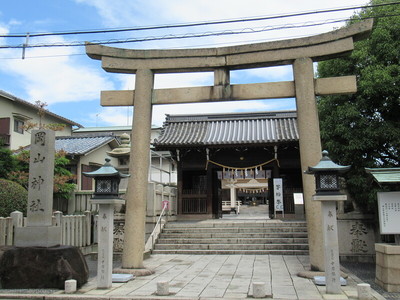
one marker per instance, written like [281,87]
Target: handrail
[152,237]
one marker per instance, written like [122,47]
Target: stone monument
[38,260]
[39,230]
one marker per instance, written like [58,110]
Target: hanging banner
[278,194]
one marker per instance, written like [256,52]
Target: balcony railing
[5,139]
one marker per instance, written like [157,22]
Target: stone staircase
[233,237]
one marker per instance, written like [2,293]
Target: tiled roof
[81,145]
[26,103]
[228,129]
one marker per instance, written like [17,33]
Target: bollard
[162,288]
[364,291]
[70,286]
[259,290]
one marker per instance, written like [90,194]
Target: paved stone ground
[208,277]
[224,276]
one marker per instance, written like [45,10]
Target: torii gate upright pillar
[135,216]
[310,149]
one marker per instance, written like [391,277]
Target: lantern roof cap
[326,165]
[106,170]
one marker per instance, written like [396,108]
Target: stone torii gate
[300,53]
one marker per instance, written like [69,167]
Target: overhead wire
[195,24]
[183,36]
[191,35]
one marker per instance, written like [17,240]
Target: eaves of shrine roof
[385,175]
[228,129]
[83,145]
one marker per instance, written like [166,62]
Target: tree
[62,187]
[363,129]
[7,162]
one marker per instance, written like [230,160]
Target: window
[19,126]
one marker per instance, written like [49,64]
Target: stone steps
[232,241]
[232,252]
[219,237]
[286,235]
[242,224]
[232,230]
[236,246]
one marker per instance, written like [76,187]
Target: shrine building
[228,159]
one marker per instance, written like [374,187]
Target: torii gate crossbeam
[301,53]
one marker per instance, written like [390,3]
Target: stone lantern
[106,195]
[326,174]
[107,180]
[327,188]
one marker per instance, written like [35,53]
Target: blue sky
[70,82]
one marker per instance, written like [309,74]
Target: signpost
[278,196]
[389,214]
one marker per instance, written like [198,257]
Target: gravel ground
[366,272]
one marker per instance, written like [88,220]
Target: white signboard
[278,194]
[389,212]
[298,198]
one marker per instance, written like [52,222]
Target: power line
[175,47]
[186,35]
[183,25]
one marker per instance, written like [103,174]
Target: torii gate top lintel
[319,47]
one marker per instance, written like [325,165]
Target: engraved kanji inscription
[40,138]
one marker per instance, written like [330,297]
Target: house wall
[94,158]
[17,111]
[168,173]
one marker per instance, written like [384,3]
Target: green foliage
[7,162]
[62,188]
[363,130]
[12,197]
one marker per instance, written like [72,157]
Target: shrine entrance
[300,53]
[232,161]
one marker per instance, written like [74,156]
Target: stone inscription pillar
[135,217]
[39,230]
[310,154]
[41,178]
[105,245]
[331,247]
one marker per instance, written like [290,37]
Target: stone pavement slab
[211,277]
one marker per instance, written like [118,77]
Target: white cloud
[121,13]
[54,75]
[159,111]
[270,74]
[112,116]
